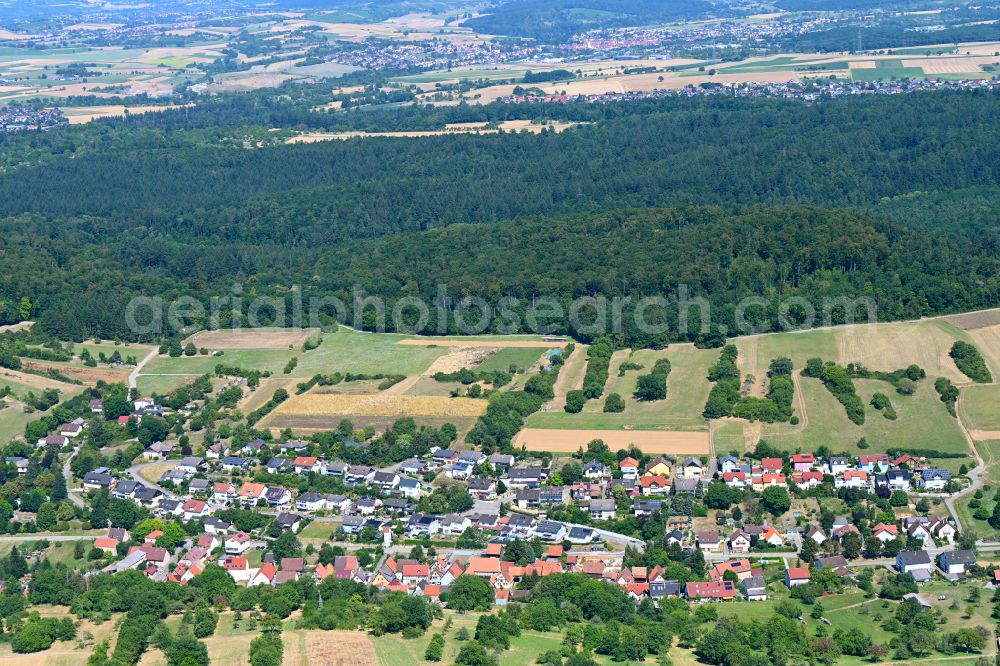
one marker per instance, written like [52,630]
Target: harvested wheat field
[252,339]
[329,648]
[323,411]
[897,345]
[987,338]
[957,65]
[380,404]
[84,114]
[460,342]
[461,357]
[84,374]
[649,441]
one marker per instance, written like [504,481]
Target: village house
[955,564]
[917,563]
[739,542]
[795,576]
[709,541]
[629,468]
[237,544]
[691,469]
[710,591]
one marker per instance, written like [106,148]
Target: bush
[575,400]
[598,360]
[614,403]
[948,393]
[266,650]
[654,385]
[435,649]
[205,622]
[970,362]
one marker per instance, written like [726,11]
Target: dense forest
[555,20]
[893,198]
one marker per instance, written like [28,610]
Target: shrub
[614,403]
[575,400]
[970,362]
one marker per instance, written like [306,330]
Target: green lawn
[887,69]
[317,530]
[392,650]
[923,421]
[981,407]
[728,436]
[522,357]
[13,419]
[125,349]
[162,384]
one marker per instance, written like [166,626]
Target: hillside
[157,211]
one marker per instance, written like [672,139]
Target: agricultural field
[323,411]
[603,77]
[980,407]
[342,351]
[649,441]
[727,435]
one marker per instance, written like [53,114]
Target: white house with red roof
[237,543]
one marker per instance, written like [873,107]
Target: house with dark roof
[754,588]
[917,563]
[955,564]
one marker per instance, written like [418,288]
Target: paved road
[133,377]
[134,470]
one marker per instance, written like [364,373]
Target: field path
[975,474]
[402,387]
[133,377]
[570,378]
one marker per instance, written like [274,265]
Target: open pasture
[649,441]
[687,391]
[521,357]
[485,341]
[923,421]
[987,339]
[980,407]
[882,346]
[757,351]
